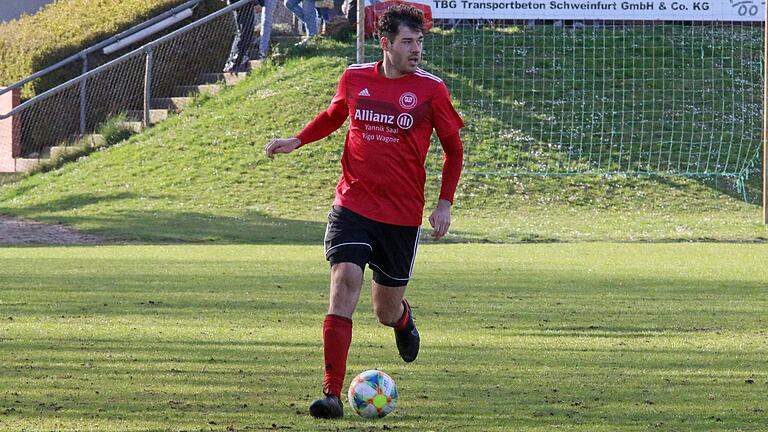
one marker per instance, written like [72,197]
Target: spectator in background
[306,13]
[243,41]
[324,11]
[337,4]
[350,11]
[267,15]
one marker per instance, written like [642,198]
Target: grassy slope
[579,337]
[201,176]
[61,29]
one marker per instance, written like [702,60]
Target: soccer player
[393,106]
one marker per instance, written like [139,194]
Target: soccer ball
[372,394]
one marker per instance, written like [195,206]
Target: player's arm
[440,219]
[447,124]
[323,125]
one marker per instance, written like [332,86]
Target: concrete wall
[12,9]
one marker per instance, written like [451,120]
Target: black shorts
[389,250]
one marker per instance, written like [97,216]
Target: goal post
[360,31]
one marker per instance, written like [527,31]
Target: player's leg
[346,283]
[392,309]
[388,305]
[348,249]
[392,263]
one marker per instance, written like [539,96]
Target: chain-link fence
[128,86]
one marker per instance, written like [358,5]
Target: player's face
[404,53]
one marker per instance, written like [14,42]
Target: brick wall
[10,132]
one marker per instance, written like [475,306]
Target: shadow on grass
[193,227]
[168,227]
[164,226]
[69,202]
[8,178]
[725,185]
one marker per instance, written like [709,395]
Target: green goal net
[546,95]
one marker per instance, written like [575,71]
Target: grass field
[202,176]
[215,322]
[519,337]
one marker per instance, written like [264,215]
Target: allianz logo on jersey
[404,120]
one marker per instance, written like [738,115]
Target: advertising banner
[608,10]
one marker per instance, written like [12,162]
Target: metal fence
[128,86]
[102,52]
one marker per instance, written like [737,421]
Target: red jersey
[391,122]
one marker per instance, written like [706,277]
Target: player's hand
[281,145]
[440,219]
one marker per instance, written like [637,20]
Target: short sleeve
[445,120]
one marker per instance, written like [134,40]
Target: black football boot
[408,339]
[329,407]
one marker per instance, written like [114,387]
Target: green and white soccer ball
[372,394]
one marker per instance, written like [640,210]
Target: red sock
[403,321]
[337,336]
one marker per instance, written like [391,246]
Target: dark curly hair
[390,22]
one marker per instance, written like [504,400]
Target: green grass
[515,337]
[6,178]
[202,176]
[590,336]
[111,131]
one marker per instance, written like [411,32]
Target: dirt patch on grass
[15,231]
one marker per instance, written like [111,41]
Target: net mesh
[579,97]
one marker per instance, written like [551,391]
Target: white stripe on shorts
[415,248]
[350,243]
[385,273]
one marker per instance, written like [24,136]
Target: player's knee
[346,278]
[385,314]
[343,284]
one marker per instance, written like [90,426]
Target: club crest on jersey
[408,100]
[405,121]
